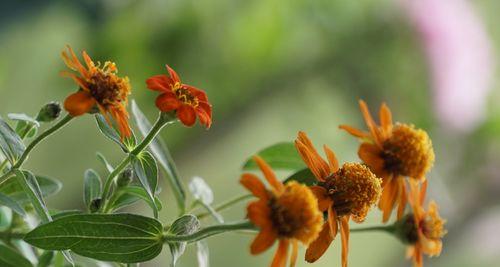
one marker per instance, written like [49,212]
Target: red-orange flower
[393,151]
[186,100]
[428,227]
[99,86]
[343,193]
[286,212]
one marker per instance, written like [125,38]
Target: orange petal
[403,198]
[332,221]
[173,75]
[187,115]
[344,235]
[385,118]
[423,192]
[254,185]
[319,246]
[79,103]
[269,174]
[160,83]
[295,252]
[388,198]
[318,166]
[370,154]
[204,113]
[281,254]
[370,122]
[167,102]
[263,241]
[258,213]
[332,159]
[324,201]
[355,132]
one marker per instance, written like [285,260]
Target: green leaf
[110,132]
[64,213]
[24,118]
[147,171]
[129,195]
[45,260]
[5,218]
[278,156]
[92,187]
[10,143]
[11,258]
[32,190]
[14,190]
[12,204]
[304,176]
[125,238]
[105,162]
[202,253]
[184,225]
[159,150]
[203,193]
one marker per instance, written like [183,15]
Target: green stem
[383,228]
[162,121]
[113,174]
[39,138]
[225,205]
[8,235]
[3,164]
[208,231]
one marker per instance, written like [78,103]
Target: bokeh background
[271,68]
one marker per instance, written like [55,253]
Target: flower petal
[388,198]
[281,254]
[344,235]
[269,174]
[263,241]
[254,185]
[385,118]
[318,166]
[160,83]
[173,75]
[167,102]
[319,246]
[295,252]
[187,115]
[332,159]
[204,111]
[79,103]
[372,126]
[403,198]
[324,201]
[370,154]
[258,213]
[355,132]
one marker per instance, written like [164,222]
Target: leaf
[92,187]
[201,191]
[147,171]
[125,238]
[131,194]
[202,253]
[278,156]
[159,150]
[304,176]
[110,132]
[11,258]
[64,213]
[105,162]
[187,224]
[12,204]
[13,189]
[45,260]
[24,118]
[32,190]
[10,143]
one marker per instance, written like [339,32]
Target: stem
[39,138]
[162,121]
[383,228]
[7,235]
[225,205]
[113,174]
[208,231]
[3,164]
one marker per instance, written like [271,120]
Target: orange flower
[427,227]
[393,151]
[186,100]
[99,86]
[287,212]
[343,193]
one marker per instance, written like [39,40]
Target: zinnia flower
[423,229]
[393,151]
[343,193]
[187,101]
[285,212]
[99,87]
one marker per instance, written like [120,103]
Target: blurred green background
[270,68]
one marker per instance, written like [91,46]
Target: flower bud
[49,112]
[125,177]
[95,205]
[405,229]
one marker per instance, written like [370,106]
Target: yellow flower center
[354,189]
[106,87]
[184,95]
[408,152]
[295,213]
[433,226]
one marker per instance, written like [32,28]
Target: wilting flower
[186,100]
[393,151]
[285,212]
[99,87]
[422,230]
[343,193]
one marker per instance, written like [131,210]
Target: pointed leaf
[184,225]
[131,194]
[10,143]
[147,171]
[279,156]
[202,253]
[12,204]
[110,132]
[125,238]
[92,187]
[32,190]
[23,117]
[13,188]
[11,258]
[201,191]
[105,162]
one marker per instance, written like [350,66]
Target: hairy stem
[208,231]
[383,228]
[225,205]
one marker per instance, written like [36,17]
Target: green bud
[406,230]
[95,205]
[49,112]
[125,177]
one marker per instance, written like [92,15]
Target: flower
[99,86]
[426,227]
[286,212]
[343,193]
[393,151]
[186,100]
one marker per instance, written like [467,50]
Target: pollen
[408,151]
[295,213]
[106,87]
[354,189]
[433,224]
[185,96]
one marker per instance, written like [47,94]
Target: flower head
[393,151]
[99,87]
[286,212]
[424,229]
[187,101]
[343,193]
